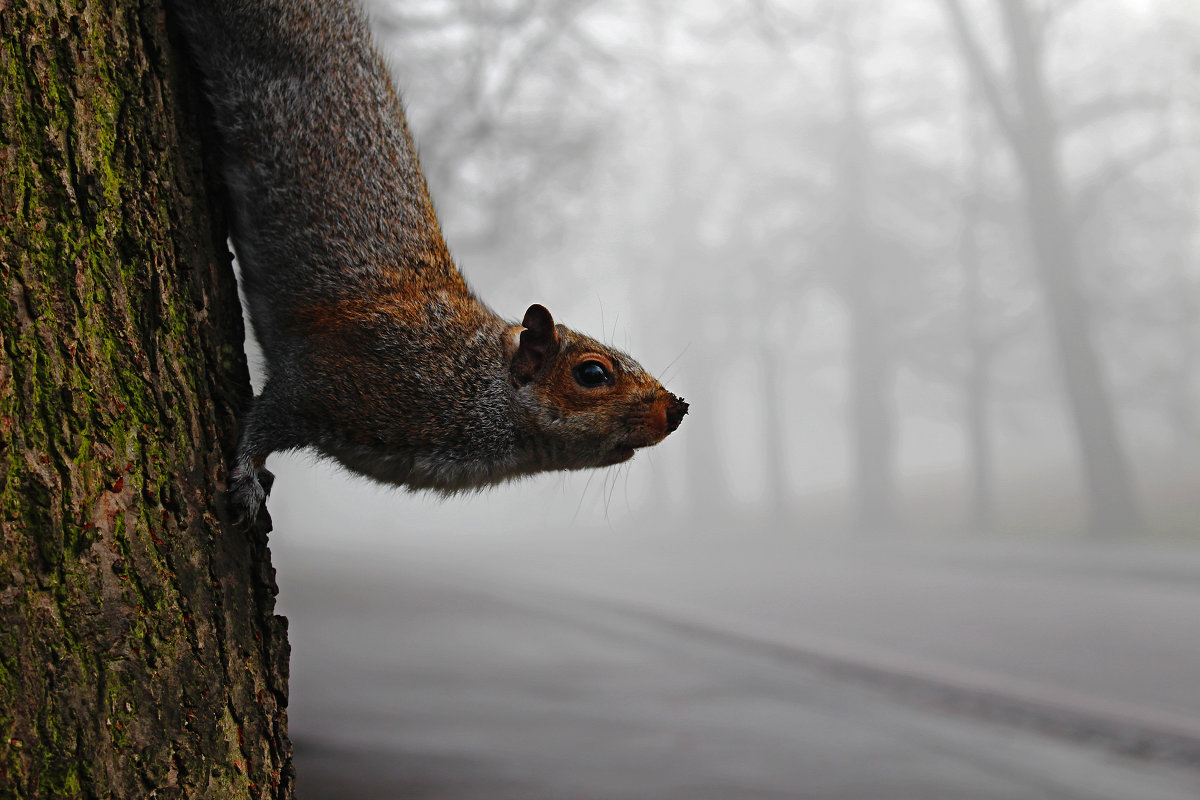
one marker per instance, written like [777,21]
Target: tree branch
[1089,196]
[982,72]
[1105,108]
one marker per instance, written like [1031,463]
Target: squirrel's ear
[538,341]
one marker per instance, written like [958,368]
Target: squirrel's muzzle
[676,408]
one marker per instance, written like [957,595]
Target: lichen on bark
[139,652]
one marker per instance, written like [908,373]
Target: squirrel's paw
[248,492]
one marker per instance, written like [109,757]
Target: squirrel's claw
[248,491]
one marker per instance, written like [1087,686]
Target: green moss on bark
[139,653]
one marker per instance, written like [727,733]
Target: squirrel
[377,353]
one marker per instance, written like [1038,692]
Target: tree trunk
[776,485]
[139,653]
[871,368]
[1112,505]
[1022,111]
[978,378]
[707,478]
[682,199]
[979,441]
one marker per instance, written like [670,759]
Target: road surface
[515,676]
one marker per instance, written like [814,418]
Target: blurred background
[928,273]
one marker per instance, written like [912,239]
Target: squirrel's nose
[676,408]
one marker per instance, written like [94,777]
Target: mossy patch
[121,592]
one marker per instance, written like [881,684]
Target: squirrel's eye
[592,374]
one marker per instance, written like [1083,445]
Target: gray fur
[377,353]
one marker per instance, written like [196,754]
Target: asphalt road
[422,676]
[1114,631]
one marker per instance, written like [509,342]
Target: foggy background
[928,273]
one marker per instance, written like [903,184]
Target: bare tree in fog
[980,346]
[871,367]
[850,252]
[991,319]
[741,262]
[1021,108]
[504,131]
[718,191]
[1185,311]
[1155,319]
[684,194]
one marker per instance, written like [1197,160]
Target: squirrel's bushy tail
[326,194]
[224,36]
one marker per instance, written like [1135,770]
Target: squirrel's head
[587,404]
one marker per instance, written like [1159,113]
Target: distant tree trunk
[1028,125]
[778,489]
[707,479]
[1183,396]
[977,381]
[978,386]
[683,195]
[871,368]
[1113,508]
[139,653]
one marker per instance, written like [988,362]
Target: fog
[928,274]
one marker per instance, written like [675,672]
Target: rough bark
[139,653]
